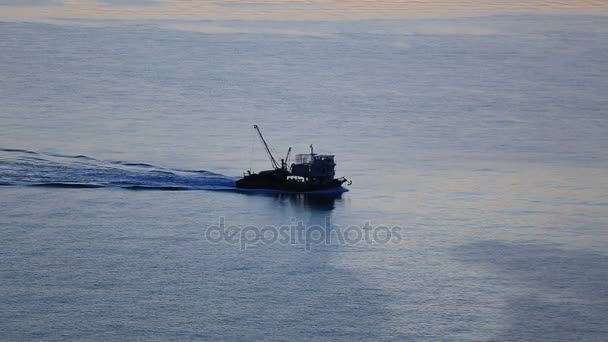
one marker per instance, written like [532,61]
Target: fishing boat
[309,172]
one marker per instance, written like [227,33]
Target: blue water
[483,140]
[28,168]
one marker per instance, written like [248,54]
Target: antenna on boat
[272,160]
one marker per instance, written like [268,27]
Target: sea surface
[477,148]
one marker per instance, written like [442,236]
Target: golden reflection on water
[294,9]
[491,201]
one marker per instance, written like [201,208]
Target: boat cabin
[314,166]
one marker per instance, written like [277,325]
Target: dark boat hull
[256,181]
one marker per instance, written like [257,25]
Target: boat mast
[285,161]
[272,160]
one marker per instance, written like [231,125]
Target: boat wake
[28,168]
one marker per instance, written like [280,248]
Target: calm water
[485,141]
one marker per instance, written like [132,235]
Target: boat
[309,172]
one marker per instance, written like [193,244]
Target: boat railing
[303,159]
